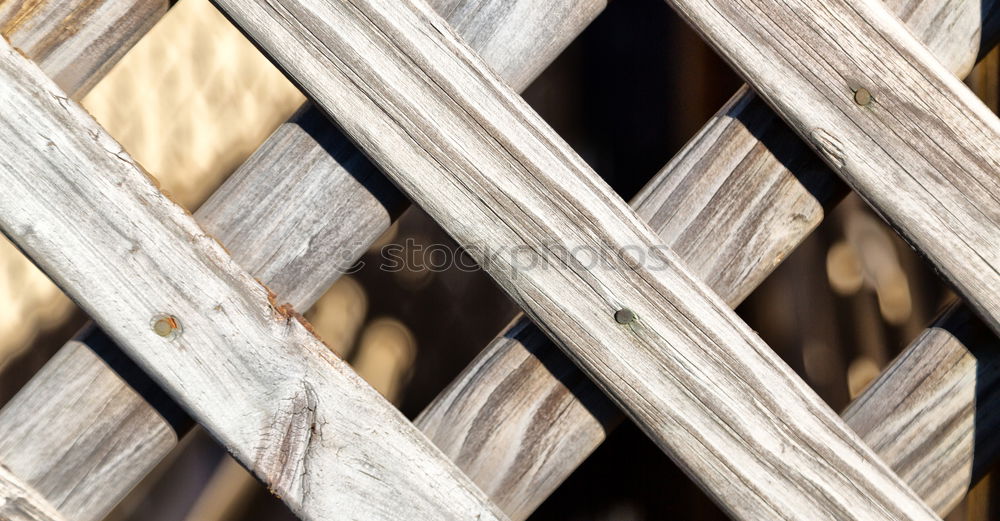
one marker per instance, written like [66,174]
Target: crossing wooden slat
[248,369]
[733,204]
[287,222]
[87,428]
[77,42]
[882,113]
[933,415]
[323,210]
[475,157]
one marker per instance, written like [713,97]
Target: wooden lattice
[651,328]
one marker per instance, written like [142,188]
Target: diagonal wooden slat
[249,370]
[706,249]
[266,215]
[77,42]
[733,203]
[470,152]
[932,415]
[885,115]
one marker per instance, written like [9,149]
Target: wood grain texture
[733,204]
[18,502]
[287,223]
[924,152]
[933,415]
[250,371]
[76,42]
[467,149]
[81,434]
[318,214]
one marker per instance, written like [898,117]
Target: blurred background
[193,99]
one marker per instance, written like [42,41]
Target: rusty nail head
[624,316]
[862,97]
[165,325]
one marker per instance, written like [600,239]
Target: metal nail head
[165,325]
[624,316]
[862,97]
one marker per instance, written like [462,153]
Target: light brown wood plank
[250,371]
[476,158]
[282,220]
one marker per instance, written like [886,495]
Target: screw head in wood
[862,97]
[625,316]
[166,325]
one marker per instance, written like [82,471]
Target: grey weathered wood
[733,204]
[19,502]
[77,42]
[924,151]
[325,208]
[283,221]
[250,371]
[790,218]
[473,155]
[933,415]
[82,435]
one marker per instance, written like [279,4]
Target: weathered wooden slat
[420,104]
[933,415]
[82,435]
[249,370]
[790,218]
[19,502]
[885,115]
[330,204]
[733,204]
[283,221]
[77,42]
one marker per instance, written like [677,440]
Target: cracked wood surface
[77,42]
[250,371]
[283,221]
[920,148]
[476,158]
[789,225]
[733,204]
[19,502]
